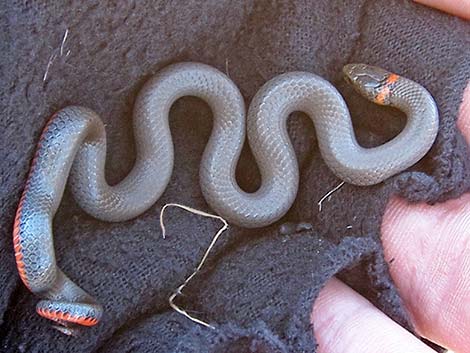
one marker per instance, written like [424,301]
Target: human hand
[430,246]
[459,8]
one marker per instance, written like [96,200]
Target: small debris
[49,63]
[179,290]
[327,196]
[303,226]
[63,42]
[226,67]
[287,228]
[55,53]
[294,227]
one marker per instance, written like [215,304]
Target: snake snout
[367,80]
[352,72]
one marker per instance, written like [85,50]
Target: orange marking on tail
[17,242]
[62,316]
[17,223]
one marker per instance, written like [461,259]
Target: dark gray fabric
[258,286]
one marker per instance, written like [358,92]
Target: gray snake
[73,143]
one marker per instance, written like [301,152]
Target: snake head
[371,82]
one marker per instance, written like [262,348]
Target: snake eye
[348,79]
[366,80]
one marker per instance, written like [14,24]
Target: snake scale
[73,146]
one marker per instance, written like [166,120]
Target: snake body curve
[74,143]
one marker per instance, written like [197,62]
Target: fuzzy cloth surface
[258,286]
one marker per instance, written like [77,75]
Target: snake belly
[74,144]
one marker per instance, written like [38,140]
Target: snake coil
[74,143]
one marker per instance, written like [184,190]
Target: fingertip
[463,122]
[431,267]
[346,322]
[459,8]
